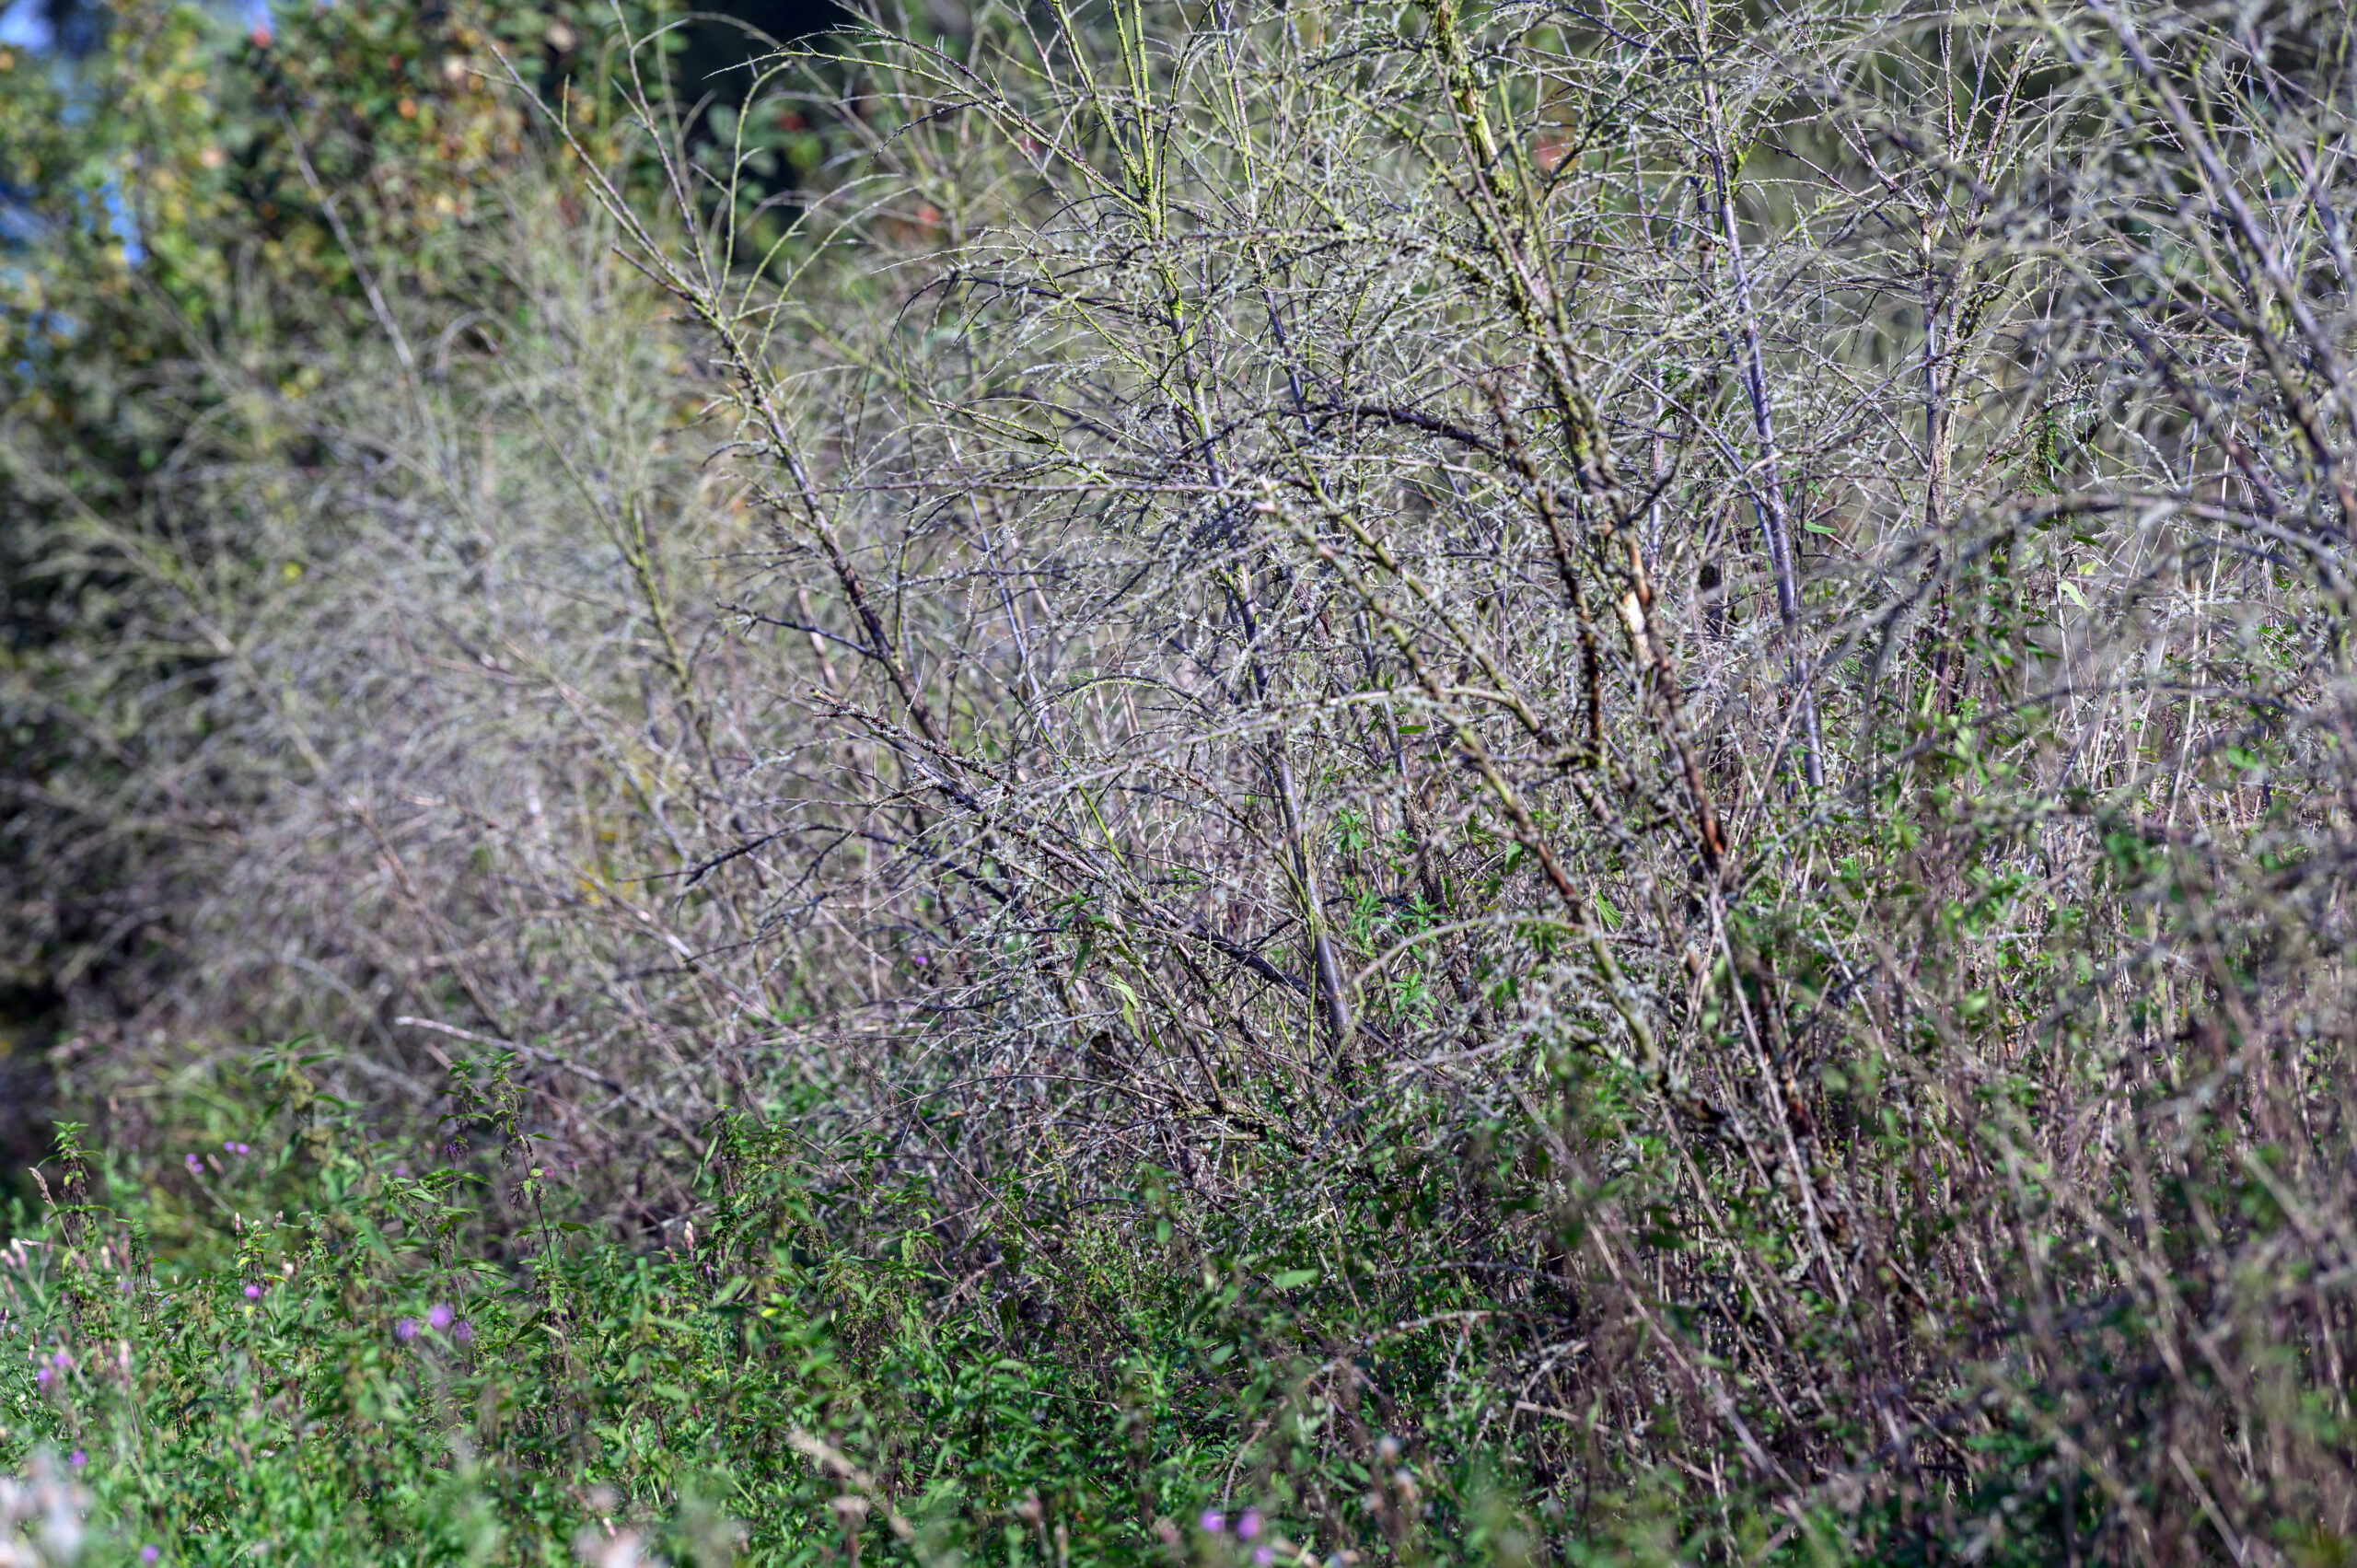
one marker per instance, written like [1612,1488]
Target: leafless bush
[1761,605]
[1733,634]
[415,693]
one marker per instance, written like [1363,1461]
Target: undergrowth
[296,1344]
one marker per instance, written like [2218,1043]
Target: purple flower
[439,1316]
[406,1329]
[463,1331]
[1213,1521]
[43,1376]
[253,1293]
[195,1165]
[77,1458]
[149,1554]
[1265,1556]
[400,1167]
[231,1147]
[1249,1525]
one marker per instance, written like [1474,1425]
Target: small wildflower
[1249,1525]
[406,1329]
[77,1458]
[253,1293]
[1213,1521]
[463,1331]
[43,1376]
[149,1554]
[195,1165]
[440,1316]
[1262,1558]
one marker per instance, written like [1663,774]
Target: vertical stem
[1194,416]
[1945,661]
[1659,472]
[1775,524]
[1333,1001]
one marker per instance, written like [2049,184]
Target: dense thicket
[1521,781]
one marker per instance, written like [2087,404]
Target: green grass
[299,1349]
